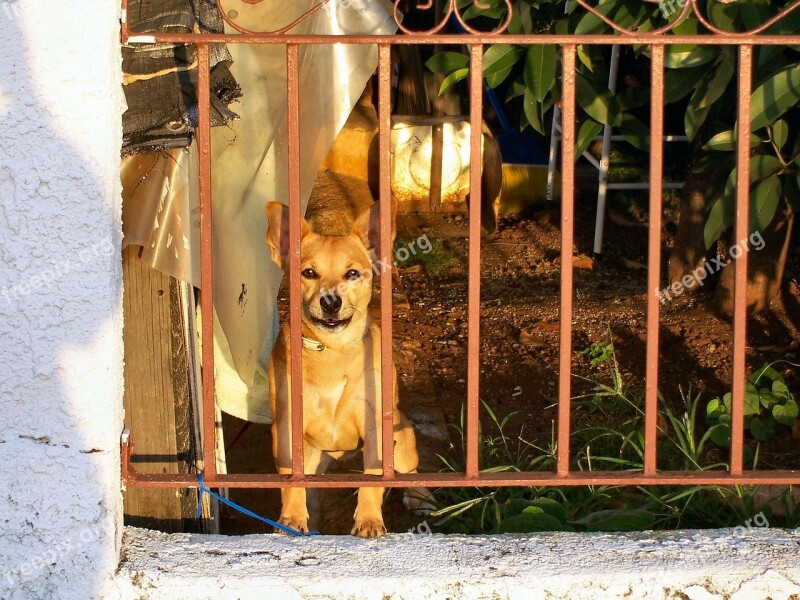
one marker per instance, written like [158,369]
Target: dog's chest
[332,409]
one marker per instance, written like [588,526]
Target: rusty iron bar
[387,366]
[206,253]
[458,39]
[562,476]
[740,268]
[568,75]
[295,293]
[474,290]
[576,478]
[654,259]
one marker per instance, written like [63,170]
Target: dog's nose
[330,304]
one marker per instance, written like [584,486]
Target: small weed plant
[613,440]
[767,404]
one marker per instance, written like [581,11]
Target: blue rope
[204,490]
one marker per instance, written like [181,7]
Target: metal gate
[657,41]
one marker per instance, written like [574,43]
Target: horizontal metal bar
[594,40]
[621,138]
[579,478]
[665,185]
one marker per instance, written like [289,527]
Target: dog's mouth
[330,323]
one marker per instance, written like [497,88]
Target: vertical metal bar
[385,141]
[295,335]
[567,239]
[206,253]
[742,228]
[474,308]
[654,258]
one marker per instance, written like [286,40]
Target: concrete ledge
[685,564]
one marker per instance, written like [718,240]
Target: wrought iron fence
[657,40]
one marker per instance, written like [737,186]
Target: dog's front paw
[296,523]
[369,528]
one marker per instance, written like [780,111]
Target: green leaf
[635,132]
[495,79]
[585,56]
[786,413]
[752,403]
[780,133]
[686,56]
[532,110]
[779,389]
[531,521]
[762,166]
[588,129]
[724,16]
[680,82]
[715,411]
[499,58]
[447,62]
[694,119]
[540,70]
[762,429]
[711,90]
[764,376]
[551,507]
[598,102]
[515,506]
[715,223]
[764,202]
[618,520]
[496,11]
[768,399]
[726,140]
[721,434]
[515,90]
[774,97]
[452,79]
[755,12]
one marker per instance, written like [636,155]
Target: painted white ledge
[685,564]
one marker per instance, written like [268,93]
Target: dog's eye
[309,274]
[353,274]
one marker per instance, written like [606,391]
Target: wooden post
[156,399]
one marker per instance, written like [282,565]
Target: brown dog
[341,364]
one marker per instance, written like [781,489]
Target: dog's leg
[294,509]
[368,516]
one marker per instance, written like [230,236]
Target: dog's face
[337,282]
[336,273]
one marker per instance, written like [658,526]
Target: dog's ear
[278,232]
[368,226]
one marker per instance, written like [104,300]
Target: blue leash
[204,490]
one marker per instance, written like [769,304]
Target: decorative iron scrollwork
[686,7]
[453,11]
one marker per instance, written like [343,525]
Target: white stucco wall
[60,297]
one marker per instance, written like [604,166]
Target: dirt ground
[520,278]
